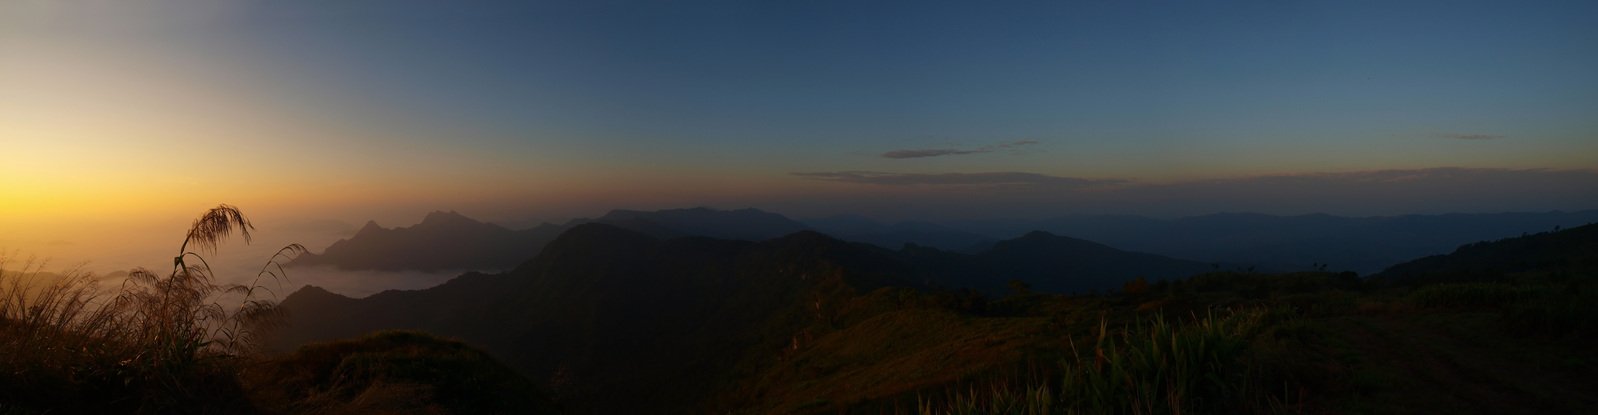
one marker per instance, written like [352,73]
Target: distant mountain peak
[1038,235]
[312,292]
[370,227]
[1044,240]
[439,216]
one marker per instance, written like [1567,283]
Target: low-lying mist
[359,284]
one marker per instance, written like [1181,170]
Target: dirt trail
[1461,363]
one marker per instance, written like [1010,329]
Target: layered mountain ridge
[450,241]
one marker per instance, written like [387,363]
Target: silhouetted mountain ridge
[1052,263]
[862,229]
[742,224]
[605,303]
[1560,254]
[1361,244]
[441,241]
[452,241]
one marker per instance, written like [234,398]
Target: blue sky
[1312,85]
[553,109]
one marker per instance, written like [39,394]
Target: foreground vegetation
[182,342]
[1316,343]
[1517,340]
[155,344]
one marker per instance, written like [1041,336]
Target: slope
[618,313]
[1558,254]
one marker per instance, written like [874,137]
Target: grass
[166,343]
[1155,365]
[1158,366]
[159,343]
[1305,343]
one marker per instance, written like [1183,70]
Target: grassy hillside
[1548,255]
[392,372]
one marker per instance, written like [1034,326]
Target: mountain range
[692,324]
[450,241]
[1287,243]
[608,306]
[607,302]
[443,241]
[894,235]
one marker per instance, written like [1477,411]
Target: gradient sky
[151,111]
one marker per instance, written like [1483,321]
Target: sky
[124,119]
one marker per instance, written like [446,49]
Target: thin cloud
[956,179]
[915,154]
[1472,137]
[1372,192]
[1350,193]
[939,152]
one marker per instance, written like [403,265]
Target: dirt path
[1461,363]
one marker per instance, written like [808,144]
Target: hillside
[807,323]
[626,310]
[606,305]
[1561,254]
[393,372]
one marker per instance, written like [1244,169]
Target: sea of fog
[233,262]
